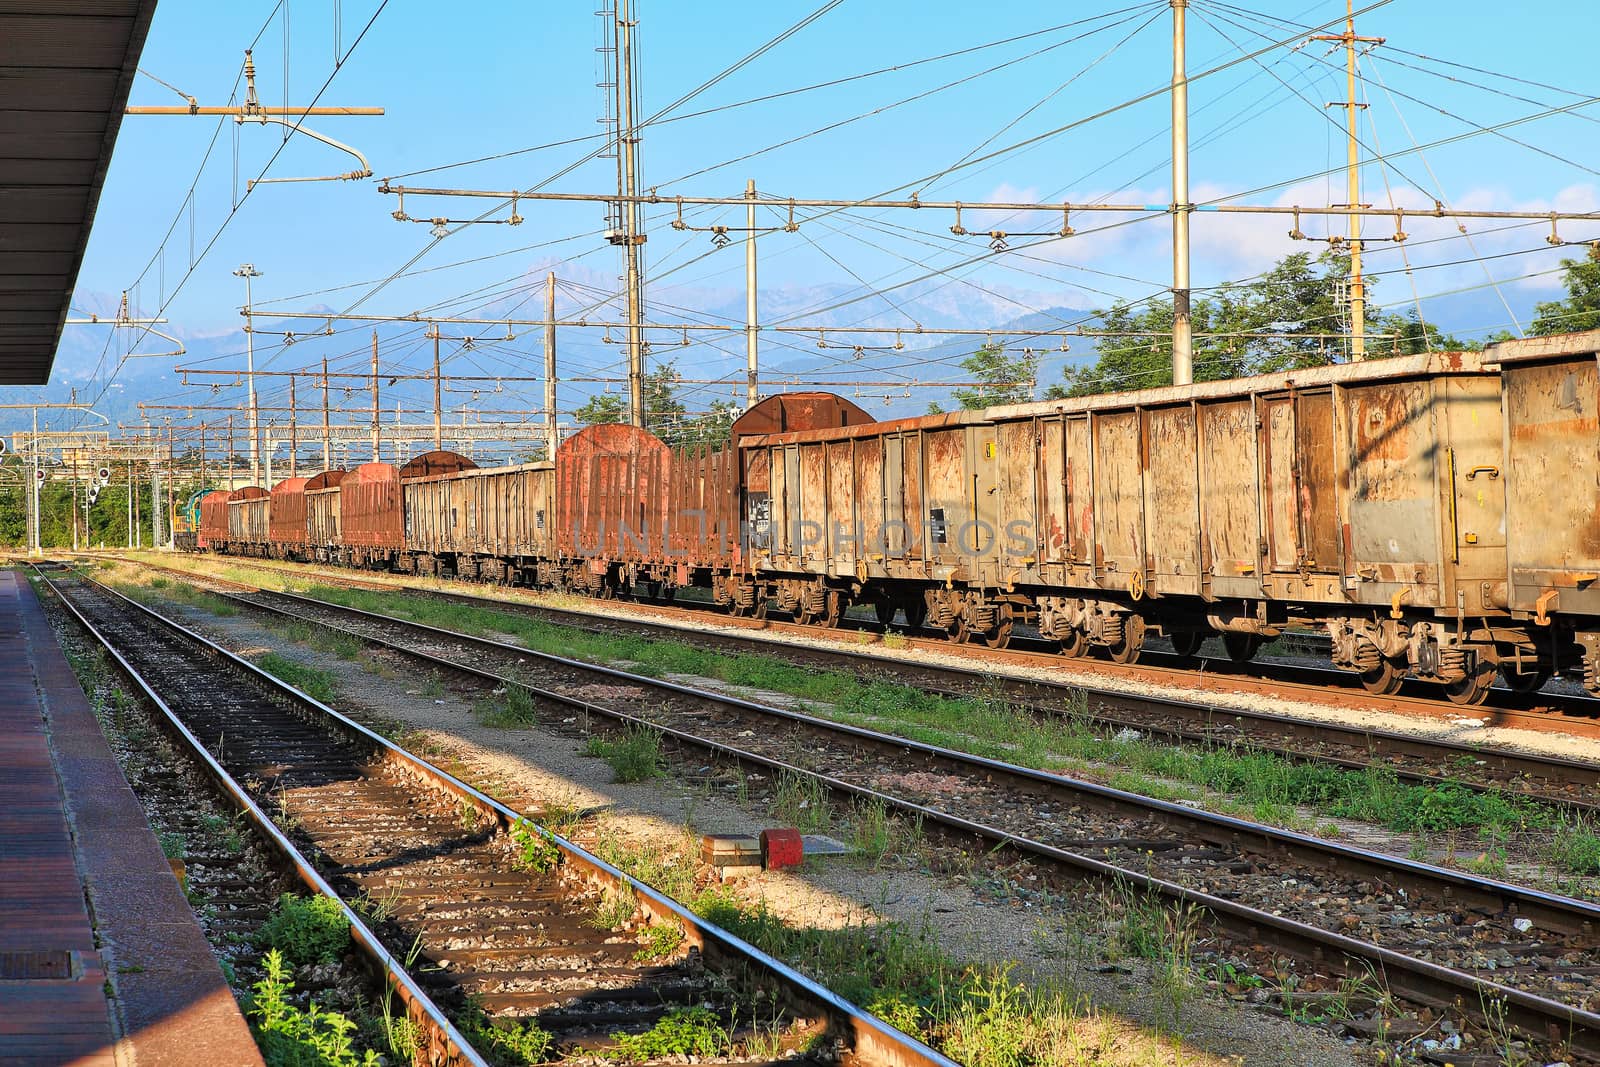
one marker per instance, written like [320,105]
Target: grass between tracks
[980,1015]
[1235,779]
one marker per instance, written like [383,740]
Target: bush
[290,1037]
[306,930]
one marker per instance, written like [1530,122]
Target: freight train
[1438,515]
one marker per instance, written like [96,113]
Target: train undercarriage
[1463,656]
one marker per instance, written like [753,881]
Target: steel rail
[873,1041]
[1104,704]
[1418,980]
[386,966]
[1579,716]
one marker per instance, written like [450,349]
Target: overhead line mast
[1182,324]
[1358,285]
[629,233]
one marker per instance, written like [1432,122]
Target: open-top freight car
[248,521]
[1437,514]
[324,539]
[1368,498]
[634,512]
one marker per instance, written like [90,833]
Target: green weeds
[314,682]
[506,710]
[291,1037]
[681,1032]
[306,930]
[635,757]
[536,850]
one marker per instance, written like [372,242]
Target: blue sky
[465,81]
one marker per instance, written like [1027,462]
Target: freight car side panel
[1553,511]
[1475,492]
[322,517]
[1394,514]
[287,518]
[370,511]
[897,537]
[812,494]
[1317,499]
[869,498]
[841,520]
[1053,522]
[1278,483]
[913,492]
[1080,491]
[213,519]
[1017,522]
[1118,499]
[1228,511]
[948,508]
[1172,500]
[248,520]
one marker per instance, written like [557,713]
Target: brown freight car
[286,520]
[213,533]
[433,515]
[630,509]
[486,525]
[1337,495]
[248,516]
[324,540]
[1551,480]
[370,516]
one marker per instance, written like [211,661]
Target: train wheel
[1241,648]
[1000,636]
[1075,644]
[885,610]
[1525,683]
[1127,648]
[1383,680]
[833,609]
[916,610]
[1186,643]
[758,610]
[1474,688]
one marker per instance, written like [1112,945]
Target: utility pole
[552,424]
[248,271]
[374,396]
[130,499]
[294,430]
[33,517]
[230,453]
[438,411]
[1358,285]
[1182,324]
[750,294]
[155,500]
[629,211]
[327,438]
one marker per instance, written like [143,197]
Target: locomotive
[1438,515]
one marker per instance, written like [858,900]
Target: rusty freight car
[370,516]
[213,531]
[324,539]
[1340,495]
[1551,481]
[286,519]
[483,524]
[249,510]
[630,509]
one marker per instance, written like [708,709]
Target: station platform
[101,960]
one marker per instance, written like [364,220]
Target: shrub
[306,930]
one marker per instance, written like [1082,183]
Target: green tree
[1002,378]
[1580,309]
[601,408]
[1240,329]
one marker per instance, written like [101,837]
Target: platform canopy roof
[66,67]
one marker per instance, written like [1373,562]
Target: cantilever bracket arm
[295,127]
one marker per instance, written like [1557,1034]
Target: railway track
[1436,937]
[496,913]
[1568,782]
[1545,710]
